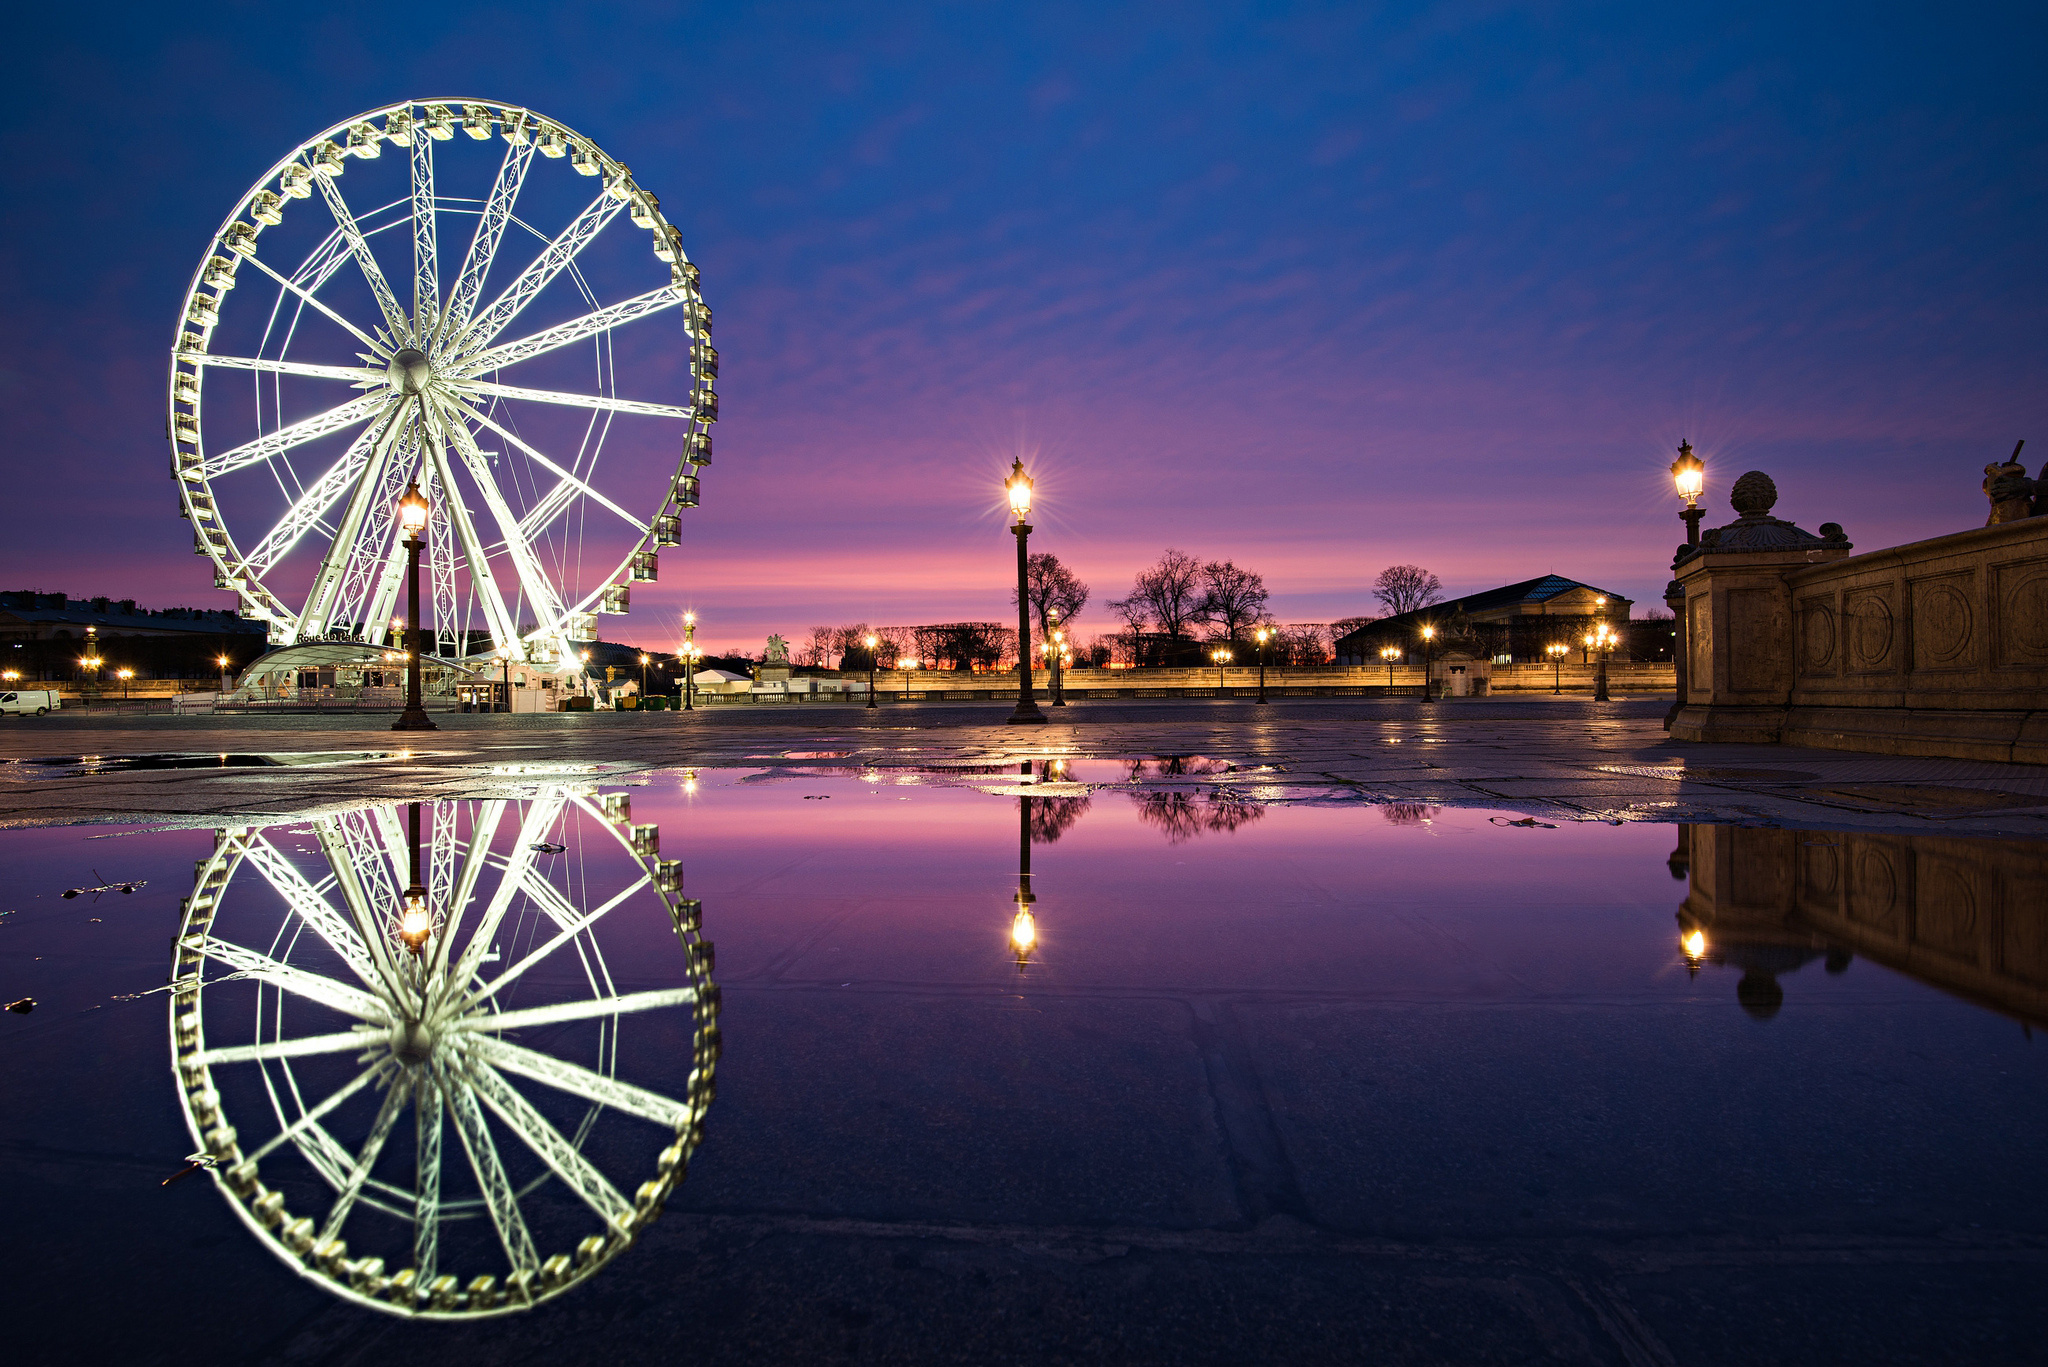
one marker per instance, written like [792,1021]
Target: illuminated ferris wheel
[447,1076]
[463,295]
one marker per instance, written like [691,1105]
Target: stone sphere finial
[1754,494]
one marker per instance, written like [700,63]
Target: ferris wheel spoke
[426,270]
[533,579]
[311,907]
[348,865]
[551,506]
[490,229]
[300,290]
[544,268]
[540,818]
[327,580]
[490,1175]
[579,1081]
[306,1046]
[387,302]
[310,1121]
[533,454]
[312,505]
[603,402]
[483,829]
[293,435]
[359,1168]
[562,1157]
[300,982]
[426,1213]
[528,1017]
[561,937]
[354,374]
[483,579]
[589,325]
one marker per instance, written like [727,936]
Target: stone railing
[1939,647]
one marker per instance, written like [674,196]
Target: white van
[24,701]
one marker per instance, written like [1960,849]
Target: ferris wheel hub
[409,370]
[412,1041]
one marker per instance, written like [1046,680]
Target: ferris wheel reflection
[346,991]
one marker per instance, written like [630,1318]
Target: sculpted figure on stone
[2013,496]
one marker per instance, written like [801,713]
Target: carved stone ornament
[2010,491]
[1753,496]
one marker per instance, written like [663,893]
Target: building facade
[1511,624]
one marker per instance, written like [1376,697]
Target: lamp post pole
[1023,927]
[1056,644]
[412,517]
[872,643]
[505,664]
[1390,654]
[1262,634]
[1689,476]
[1602,640]
[223,662]
[1428,662]
[1556,650]
[689,662]
[1019,487]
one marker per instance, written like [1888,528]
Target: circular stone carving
[1874,891]
[1942,626]
[1753,493]
[1870,632]
[2026,614]
[1817,640]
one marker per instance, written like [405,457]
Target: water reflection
[1183,816]
[344,993]
[1969,916]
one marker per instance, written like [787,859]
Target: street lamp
[1263,634]
[1557,650]
[906,663]
[415,919]
[1600,642]
[1689,473]
[124,675]
[643,678]
[1390,654]
[225,663]
[1018,487]
[1055,647]
[1222,658]
[690,653]
[412,520]
[1428,661]
[1023,928]
[871,641]
[505,664]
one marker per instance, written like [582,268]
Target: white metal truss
[426,1031]
[317,469]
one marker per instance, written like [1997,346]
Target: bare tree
[1170,594]
[1344,626]
[818,649]
[1053,590]
[1232,598]
[1404,588]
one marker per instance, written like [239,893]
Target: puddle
[1066,1003]
[85,766]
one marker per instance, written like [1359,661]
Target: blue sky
[1318,288]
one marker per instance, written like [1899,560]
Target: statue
[2013,496]
[778,651]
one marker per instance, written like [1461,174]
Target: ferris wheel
[468,296]
[443,1117]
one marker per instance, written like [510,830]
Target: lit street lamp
[124,675]
[1428,663]
[1263,635]
[690,654]
[1055,647]
[1019,489]
[505,663]
[225,663]
[1390,654]
[412,520]
[1557,650]
[1689,473]
[416,920]
[643,678]
[906,663]
[871,641]
[1222,658]
[1600,642]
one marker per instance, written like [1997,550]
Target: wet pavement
[1556,759]
[1214,1036]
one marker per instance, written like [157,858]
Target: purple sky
[1315,288]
